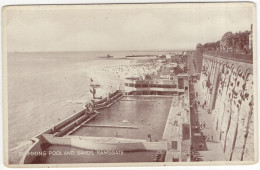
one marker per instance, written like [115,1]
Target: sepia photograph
[129,84]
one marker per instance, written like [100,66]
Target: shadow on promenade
[198,142]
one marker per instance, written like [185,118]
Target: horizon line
[161,50]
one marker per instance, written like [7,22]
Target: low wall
[58,127]
[66,121]
[109,102]
[99,104]
[101,144]
[71,125]
[34,153]
[105,101]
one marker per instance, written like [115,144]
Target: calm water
[147,113]
[45,88]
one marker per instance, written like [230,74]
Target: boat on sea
[108,56]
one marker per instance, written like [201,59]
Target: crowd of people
[199,125]
[136,68]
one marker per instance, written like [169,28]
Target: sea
[44,88]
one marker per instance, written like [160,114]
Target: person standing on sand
[201,145]
[204,104]
[204,124]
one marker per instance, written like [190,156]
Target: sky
[121,27]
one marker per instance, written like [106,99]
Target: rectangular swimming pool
[147,114]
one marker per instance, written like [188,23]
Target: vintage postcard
[129,84]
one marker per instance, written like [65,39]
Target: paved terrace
[205,142]
[177,130]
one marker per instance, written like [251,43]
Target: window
[181,83]
[158,85]
[174,145]
[144,85]
[167,86]
[138,85]
[131,85]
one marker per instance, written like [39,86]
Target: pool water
[147,114]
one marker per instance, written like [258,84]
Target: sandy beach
[136,68]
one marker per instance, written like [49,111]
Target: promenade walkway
[177,130]
[204,138]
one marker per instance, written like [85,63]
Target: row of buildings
[240,43]
[168,81]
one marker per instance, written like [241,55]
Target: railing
[151,85]
[248,58]
[112,98]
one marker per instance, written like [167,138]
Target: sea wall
[228,88]
[108,101]
[36,152]
[105,143]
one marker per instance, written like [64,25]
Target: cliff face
[228,87]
